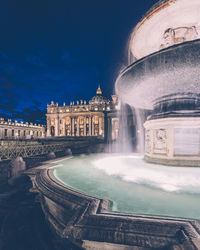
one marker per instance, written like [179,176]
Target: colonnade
[83,126]
[9,132]
[76,126]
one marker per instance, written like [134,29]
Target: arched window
[52,130]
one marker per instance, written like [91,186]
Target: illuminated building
[20,130]
[95,118]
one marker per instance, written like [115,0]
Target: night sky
[61,50]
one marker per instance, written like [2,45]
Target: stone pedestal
[173,141]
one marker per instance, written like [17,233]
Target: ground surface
[22,222]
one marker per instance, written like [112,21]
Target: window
[13,132]
[6,132]
[24,132]
[18,132]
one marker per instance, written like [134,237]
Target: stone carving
[178,35]
[51,155]
[68,151]
[148,141]
[160,141]
[17,166]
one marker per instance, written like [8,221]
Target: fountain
[165,78]
[121,201]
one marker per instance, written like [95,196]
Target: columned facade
[81,119]
[20,130]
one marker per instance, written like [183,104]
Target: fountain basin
[88,219]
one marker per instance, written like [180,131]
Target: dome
[99,98]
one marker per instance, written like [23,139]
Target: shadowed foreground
[22,222]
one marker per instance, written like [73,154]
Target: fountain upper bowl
[168,22]
[169,71]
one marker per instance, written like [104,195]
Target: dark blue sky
[61,50]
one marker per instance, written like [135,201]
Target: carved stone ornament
[160,141]
[178,35]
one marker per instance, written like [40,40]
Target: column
[56,126]
[100,125]
[85,126]
[72,127]
[78,125]
[48,128]
[90,126]
[64,131]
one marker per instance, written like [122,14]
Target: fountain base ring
[173,141]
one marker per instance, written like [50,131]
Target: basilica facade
[96,118]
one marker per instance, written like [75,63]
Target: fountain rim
[151,11]
[126,69]
[88,211]
[156,8]
[178,55]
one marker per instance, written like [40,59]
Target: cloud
[33,114]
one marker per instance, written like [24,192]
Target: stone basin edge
[79,217]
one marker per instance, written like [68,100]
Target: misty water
[133,185]
[167,72]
